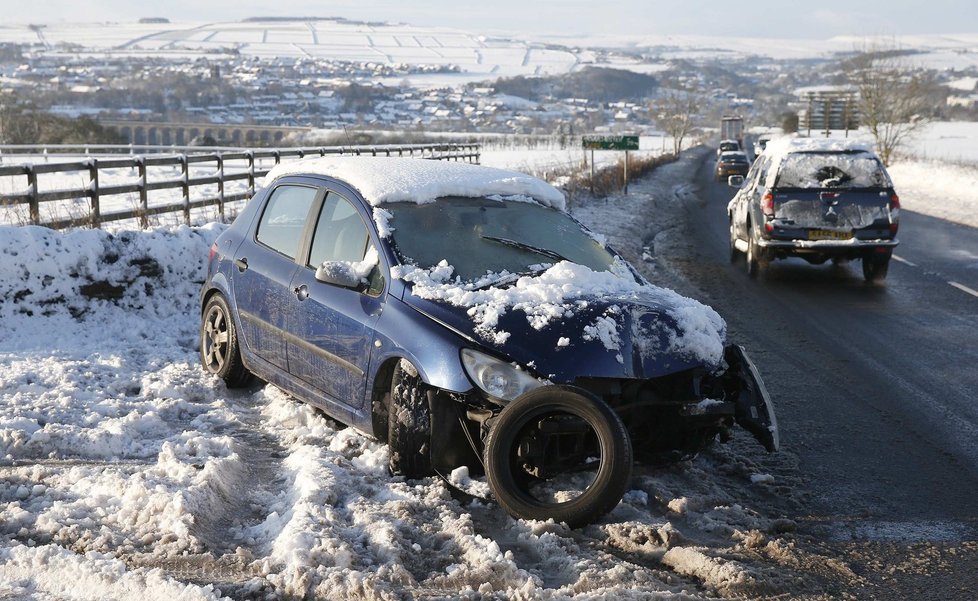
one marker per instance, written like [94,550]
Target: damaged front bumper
[754,409]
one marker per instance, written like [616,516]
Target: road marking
[964,288]
[904,261]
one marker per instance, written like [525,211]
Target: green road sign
[610,142]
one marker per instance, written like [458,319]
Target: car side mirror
[338,273]
[735,181]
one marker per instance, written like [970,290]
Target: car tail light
[894,213]
[767,204]
[213,251]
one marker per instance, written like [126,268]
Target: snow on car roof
[782,146]
[383,179]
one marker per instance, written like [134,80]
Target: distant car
[728,146]
[731,163]
[457,313]
[817,199]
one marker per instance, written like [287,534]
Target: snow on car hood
[571,321]
[384,179]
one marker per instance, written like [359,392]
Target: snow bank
[382,179]
[955,199]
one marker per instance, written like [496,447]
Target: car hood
[605,336]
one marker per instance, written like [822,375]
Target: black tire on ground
[734,253]
[875,268]
[219,350]
[754,262]
[409,425]
[514,429]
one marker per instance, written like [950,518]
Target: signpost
[625,143]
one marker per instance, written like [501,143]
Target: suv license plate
[828,235]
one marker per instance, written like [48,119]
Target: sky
[758,18]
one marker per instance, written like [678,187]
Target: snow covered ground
[129,473]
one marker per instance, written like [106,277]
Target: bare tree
[673,111]
[894,99]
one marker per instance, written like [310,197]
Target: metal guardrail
[95,192]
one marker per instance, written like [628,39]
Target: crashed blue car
[458,313]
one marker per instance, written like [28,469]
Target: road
[876,388]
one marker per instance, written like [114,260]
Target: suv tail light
[894,213]
[767,204]
[213,251]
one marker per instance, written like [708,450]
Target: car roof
[394,179]
[787,145]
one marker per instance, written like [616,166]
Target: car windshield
[733,157]
[831,170]
[477,236]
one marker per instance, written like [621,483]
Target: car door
[264,267]
[748,195]
[332,325]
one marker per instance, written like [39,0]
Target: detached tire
[519,428]
[409,425]
[219,351]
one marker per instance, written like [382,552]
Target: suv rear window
[831,170]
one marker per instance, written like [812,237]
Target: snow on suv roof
[383,179]
[786,145]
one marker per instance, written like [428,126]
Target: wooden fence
[223,168]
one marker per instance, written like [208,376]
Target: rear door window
[285,217]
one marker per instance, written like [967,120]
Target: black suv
[817,199]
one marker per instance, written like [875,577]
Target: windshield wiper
[511,278]
[524,246]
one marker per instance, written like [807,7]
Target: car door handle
[242,264]
[301,292]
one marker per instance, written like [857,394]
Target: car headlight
[500,380]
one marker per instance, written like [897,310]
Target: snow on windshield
[383,179]
[831,170]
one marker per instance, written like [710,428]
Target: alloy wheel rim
[215,340]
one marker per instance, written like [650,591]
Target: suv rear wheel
[754,262]
[875,267]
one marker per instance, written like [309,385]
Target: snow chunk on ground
[383,179]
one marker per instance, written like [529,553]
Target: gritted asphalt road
[876,385]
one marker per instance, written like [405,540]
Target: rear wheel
[754,262]
[734,253]
[875,268]
[409,424]
[219,350]
[558,452]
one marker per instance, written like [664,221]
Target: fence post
[143,196]
[185,187]
[220,185]
[93,191]
[251,172]
[33,205]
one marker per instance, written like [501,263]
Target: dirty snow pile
[127,473]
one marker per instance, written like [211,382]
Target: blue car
[458,313]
